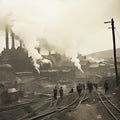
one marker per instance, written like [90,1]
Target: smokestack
[13,39]
[38,50]
[49,52]
[21,44]
[7,37]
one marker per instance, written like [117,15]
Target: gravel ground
[18,113]
[92,109]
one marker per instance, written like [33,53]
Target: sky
[65,26]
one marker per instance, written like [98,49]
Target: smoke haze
[65,26]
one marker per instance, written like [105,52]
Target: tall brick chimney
[21,44]
[13,39]
[7,37]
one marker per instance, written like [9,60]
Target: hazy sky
[70,26]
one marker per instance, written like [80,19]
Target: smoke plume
[41,28]
[93,60]
[59,25]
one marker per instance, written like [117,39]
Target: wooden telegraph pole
[114,50]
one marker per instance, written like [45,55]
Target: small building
[8,84]
[12,94]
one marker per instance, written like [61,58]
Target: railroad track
[113,110]
[17,106]
[19,110]
[72,105]
[22,105]
[35,110]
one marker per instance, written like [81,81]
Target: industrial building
[17,57]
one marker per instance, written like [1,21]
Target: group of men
[55,91]
[81,87]
[89,86]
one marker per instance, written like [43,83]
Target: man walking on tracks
[79,89]
[61,92]
[55,91]
[89,86]
[106,87]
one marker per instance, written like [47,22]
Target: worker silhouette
[61,92]
[55,91]
[79,89]
[106,87]
[89,86]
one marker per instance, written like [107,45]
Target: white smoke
[76,62]
[44,20]
[46,61]
[93,60]
[25,32]
[37,66]
[73,55]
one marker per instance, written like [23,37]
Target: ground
[92,109]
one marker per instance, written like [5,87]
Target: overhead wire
[117,33]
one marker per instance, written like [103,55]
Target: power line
[117,33]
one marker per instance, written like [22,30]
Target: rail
[104,102]
[77,101]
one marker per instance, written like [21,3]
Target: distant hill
[107,54]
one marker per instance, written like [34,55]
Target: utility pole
[114,50]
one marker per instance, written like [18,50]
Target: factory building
[17,57]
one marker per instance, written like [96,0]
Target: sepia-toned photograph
[59,59]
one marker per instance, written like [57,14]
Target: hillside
[107,54]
